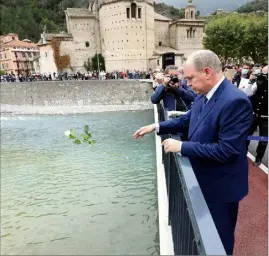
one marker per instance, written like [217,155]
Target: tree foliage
[238,36]
[101,62]
[28,17]
[254,6]
[169,11]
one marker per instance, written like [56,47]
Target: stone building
[130,35]
[16,56]
[46,60]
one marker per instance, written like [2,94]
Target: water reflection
[59,198]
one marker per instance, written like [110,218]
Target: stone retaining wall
[76,93]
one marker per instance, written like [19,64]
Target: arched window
[139,13]
[194,33]
[191,14]
[191,35]
[87,44]
[133,10]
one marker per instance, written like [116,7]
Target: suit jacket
[184,92]
[216,143]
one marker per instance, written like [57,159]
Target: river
[58,198]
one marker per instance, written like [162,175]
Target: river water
[58,198]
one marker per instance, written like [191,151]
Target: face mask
[244,71]
[257,71]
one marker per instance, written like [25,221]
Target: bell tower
[190,11]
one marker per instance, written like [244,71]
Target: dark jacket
[173,97]
[237,78]
[217,142]
[260,99]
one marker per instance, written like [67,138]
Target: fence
[192,227]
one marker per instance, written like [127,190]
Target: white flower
[67,133]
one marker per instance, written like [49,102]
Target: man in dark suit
[218,124]
[175,96]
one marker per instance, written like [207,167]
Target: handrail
[184,190]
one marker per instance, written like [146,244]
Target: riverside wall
[60,97]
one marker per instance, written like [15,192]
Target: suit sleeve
[157,96]
[175,125]
[235,122]
[185,93]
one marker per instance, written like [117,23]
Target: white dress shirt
[208,96]
[213,90]
[250,89]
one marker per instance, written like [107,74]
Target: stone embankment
[70,97]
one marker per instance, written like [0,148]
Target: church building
[130,35]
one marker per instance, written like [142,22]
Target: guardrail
[193,229]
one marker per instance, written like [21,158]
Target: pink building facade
[18,57]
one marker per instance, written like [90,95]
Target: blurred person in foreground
[174,95]
[218,122]
[259,100]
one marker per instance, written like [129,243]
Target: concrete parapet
[76,93]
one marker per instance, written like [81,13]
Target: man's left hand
[171,145]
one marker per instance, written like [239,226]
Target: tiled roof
[78,12]
[49,37]
[158,16]
[19,43]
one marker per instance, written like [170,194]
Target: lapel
[195,111]
[195,122]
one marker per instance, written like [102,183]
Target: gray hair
[205,58]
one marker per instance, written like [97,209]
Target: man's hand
[166,80]
[144,130]
[171,145]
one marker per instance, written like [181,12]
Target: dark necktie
[204,101]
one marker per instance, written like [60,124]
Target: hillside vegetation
[28,17]
[257,5]
[169,11]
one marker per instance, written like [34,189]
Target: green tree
[255,43]
[101,62]
[224,35]
[238,36]
[253,6]
[28,17]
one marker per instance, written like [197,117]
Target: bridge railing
[193,229]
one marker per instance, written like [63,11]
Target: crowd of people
[33,77]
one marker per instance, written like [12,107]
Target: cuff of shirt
[180,146]
[157,128]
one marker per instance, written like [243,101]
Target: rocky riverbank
[66,110]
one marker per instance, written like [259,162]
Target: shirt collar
[213,90]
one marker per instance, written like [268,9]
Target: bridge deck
[252,226]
